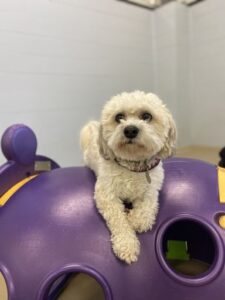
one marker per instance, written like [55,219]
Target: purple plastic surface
[19,144]
[51,227]
[12,172]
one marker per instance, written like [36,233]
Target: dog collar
[139,166]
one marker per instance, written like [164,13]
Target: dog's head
[136,126]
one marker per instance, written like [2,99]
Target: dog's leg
[143,215]
[125,243]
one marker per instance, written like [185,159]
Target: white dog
[125,150]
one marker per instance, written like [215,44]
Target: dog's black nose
[131,131]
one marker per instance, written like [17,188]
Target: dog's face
[136,126]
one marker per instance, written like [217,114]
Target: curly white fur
[102,141]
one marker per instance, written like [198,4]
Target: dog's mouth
[127,142]
[131,143]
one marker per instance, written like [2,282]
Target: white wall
[189,45]
[207,28]
[60,60]
[165,47]
[171,61]
[183,76]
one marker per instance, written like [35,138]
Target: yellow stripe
[221,182]
[4,198]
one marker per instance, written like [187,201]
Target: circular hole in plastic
[78,282]
[190,250]
[80,286]
[3,288]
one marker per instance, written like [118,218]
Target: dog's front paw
[126,247]
[140,222]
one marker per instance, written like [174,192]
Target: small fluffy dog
[124,150]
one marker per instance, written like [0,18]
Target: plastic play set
[51,230]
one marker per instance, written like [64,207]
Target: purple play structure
[50,228]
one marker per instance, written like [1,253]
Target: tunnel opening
[79,286]
[189,248]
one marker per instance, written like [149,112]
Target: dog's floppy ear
[170,143]
[103,148]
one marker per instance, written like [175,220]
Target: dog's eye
[146,116]
[119,117]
